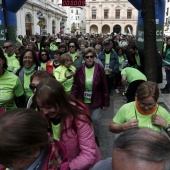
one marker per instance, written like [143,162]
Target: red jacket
[100,95]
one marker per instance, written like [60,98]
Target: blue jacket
[114,62]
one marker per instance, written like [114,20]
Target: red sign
[73,3]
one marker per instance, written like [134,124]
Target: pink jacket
[83,152]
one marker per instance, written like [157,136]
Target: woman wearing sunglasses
[75,53]
[90,87]
[43,57]
[143,112]
[11,90]
[29,64]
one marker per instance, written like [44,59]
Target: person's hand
[130,124]
[71,75]
[158,120]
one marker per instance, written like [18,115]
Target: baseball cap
[106,42]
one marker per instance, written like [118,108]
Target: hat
[58,40]
[106,42]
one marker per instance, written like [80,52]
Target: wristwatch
[167,129]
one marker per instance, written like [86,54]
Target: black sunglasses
[6,47]
[43,54]
[32,86]
[90,56]
[71,46]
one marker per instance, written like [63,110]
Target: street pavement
[107,138]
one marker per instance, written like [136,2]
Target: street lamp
[40,17]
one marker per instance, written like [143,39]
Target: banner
[73,2]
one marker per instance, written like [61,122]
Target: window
[93,13]
[106,14]
[76,12]
[129,14]
[78,24]
[117,15]
[167,11]
[72,11]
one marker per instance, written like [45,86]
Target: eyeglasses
[27,58]
[32,87]
[150,106]
[71,46]
[6,47]
[43,55]
[90,56]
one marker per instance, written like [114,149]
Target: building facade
[41,17]
[107,16]
[76,18]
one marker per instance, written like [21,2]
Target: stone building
[76,16]
[107,16]
[52,18]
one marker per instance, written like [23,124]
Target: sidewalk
[107,138]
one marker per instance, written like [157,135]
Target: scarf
[54,161]
[145,113]
[28,71]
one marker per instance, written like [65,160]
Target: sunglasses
[71,46]
[43,55]
[32,87]
[6,47]
[90,56]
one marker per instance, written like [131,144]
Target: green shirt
[28,91]
[10,87]
[53,47]
[73,55]
[137,58]
[127,112]
[56,131]
[13,63]
[43,66]
[107,62]
[89,72]
[133,74]
[60,75]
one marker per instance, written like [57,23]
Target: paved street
[116,101]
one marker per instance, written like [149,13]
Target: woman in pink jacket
[69,123]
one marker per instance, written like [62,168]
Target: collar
[139,109]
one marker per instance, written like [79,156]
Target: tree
[73,28]
[150,50]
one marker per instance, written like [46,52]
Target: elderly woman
[26,144]
[29,64]
[144,112]
[65,72]
[90,87]
[69,123]
[11,90]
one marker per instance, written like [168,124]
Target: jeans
[95,116]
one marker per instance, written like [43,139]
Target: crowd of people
[66,82]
